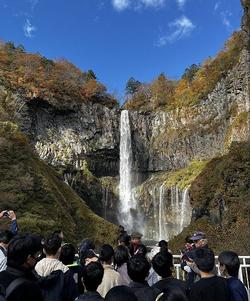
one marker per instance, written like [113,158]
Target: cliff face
[170,140]
[85,133]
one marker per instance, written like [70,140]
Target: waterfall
[186,210]
[127,203]
[163,232]
[174,211]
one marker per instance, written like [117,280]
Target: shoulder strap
[13,285]
[4,251]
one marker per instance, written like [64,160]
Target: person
[55,279]
[22,255]
[199,241]
[12,216]
[229,265]
[111,277]
[92,278]
[138,270]
[135,243]
[124,240]
[121,257]
[5,238]
[172,294]
[86,252]
[163,264]
[163,245]
[210,286]
[67,257]
[121,293]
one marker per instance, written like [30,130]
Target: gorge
[86,164]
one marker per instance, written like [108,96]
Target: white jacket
[48,265]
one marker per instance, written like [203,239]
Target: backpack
[5,293]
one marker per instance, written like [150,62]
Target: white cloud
[225,16]
[181,3]
[180,28]
[28,29]
[137,4]
[121,4]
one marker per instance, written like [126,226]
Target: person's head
[163,263]
[172,293]
[52,246]
[84,247]
[92,275]
[124,239]
[138,268]
[163,245]
[5,237]
[107,254]
[204,259]
[24,251]
[136,238]
[229,264]
[67,255]
[121,256]
[59,233]
[121,293]
[199,239]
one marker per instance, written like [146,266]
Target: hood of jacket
[48,265]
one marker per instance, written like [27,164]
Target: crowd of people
[48,269]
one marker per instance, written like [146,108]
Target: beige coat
[110,279]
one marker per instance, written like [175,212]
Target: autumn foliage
[195,85]
[58,82]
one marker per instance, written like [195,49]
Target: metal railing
[244,271]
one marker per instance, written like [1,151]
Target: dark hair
[142,250]
[107,253]
[85,246]
[52,244]
[121,293]
[6,236]
[231,261]
[204,259]
[138,268]
[173,293]
[121,256]
[163,244]
[20,247]
[124,238]
[92,275]
[162,263]
[67,255]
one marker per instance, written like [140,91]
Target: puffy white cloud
[28,29]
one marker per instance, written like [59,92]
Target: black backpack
[5,293]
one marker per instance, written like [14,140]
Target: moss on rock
[43,202]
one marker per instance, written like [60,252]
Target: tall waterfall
[127,202]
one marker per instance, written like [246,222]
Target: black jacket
[143,291]
[27,291]
[90,296]
[58,286]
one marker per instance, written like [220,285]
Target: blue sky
[122,38]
